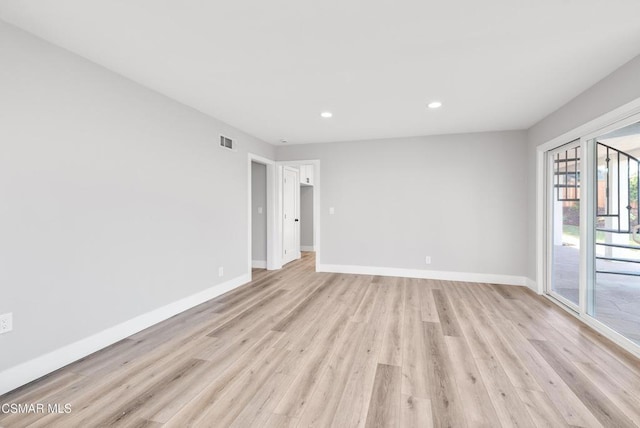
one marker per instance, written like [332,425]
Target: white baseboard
[24,373]
[427,274]
[530,283]
[307,248]
[259,264]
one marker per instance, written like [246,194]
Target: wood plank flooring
[295,348]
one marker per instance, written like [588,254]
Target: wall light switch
[221,271]
[332,210]
[259,210]
[427,260]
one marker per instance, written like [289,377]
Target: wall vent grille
[226,142]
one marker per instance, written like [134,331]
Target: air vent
[226,142]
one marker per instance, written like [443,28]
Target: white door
[290,221]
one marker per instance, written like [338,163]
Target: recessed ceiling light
[284,141]
[326,114]
[434,104]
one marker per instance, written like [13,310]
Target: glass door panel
[615,292]
[564,221]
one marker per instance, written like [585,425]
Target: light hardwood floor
[299,348]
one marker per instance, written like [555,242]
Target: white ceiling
[270,67]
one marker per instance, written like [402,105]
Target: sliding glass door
[563,213]
[592,240]
[615,291]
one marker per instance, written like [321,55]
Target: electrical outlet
[427,260]
[6,323]
[221,271]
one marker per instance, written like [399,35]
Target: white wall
[306,216]
[620,87]
[258,220]
[115,200]
[457,198]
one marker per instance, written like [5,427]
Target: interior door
[290,220]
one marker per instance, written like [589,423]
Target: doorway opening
[262,214]
[259,215]
[300,209]
[306,218]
